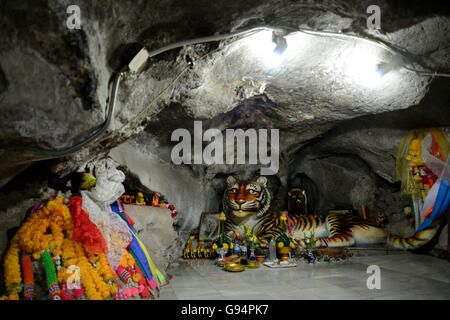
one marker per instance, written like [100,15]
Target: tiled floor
[403,276]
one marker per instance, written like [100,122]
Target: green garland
[50,270]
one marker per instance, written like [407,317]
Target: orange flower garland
[69,258]
[13,277]
[51,228]
[105,268]
[96,288]
[127,260]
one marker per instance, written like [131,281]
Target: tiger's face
[245,199]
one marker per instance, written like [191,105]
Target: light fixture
[267,46]
[383,68]
[362,66]
[280,42]
[394,63]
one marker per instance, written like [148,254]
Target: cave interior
[336,89]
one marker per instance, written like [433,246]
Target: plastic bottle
[272,250]
[244,254]
[236,249]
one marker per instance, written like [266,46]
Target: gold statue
[188,251]
[201,248]
[140,199]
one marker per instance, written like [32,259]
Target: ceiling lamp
[395,62]
[268,46]
[362,66]
[280,42]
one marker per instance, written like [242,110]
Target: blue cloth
[440,205]
[135,247]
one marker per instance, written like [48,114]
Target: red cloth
[145,292]
[84,230]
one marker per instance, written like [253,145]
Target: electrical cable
[210,39]
[427,73]
[375,42]
[104,127]
[76,147]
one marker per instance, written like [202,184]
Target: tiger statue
[248,204]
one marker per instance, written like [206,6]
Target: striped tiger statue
[248,204]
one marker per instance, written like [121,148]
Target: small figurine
[140,199]
[381,219]
[201,248]
[207,253]
[188,251]
[417,167]
[155,200]
[126,199]
[414,155]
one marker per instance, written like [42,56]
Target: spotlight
[280,42]
[382,68]
[362,67]
[268,47]
[385,67]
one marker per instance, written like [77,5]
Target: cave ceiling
[55,82]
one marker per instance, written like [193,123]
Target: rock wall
[59,78]
[179,185]
[154,228]
[336,132]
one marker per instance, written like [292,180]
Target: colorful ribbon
[138,249]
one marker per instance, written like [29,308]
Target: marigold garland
[127,260]
[13,277]
[47,235]
[96,288]
[105,269]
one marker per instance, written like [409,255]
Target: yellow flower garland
[32,238]
[13,277]
[69,258]
[105,268]
[95,287]
[127,260]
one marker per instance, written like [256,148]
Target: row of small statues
[127,199]
[197,253]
